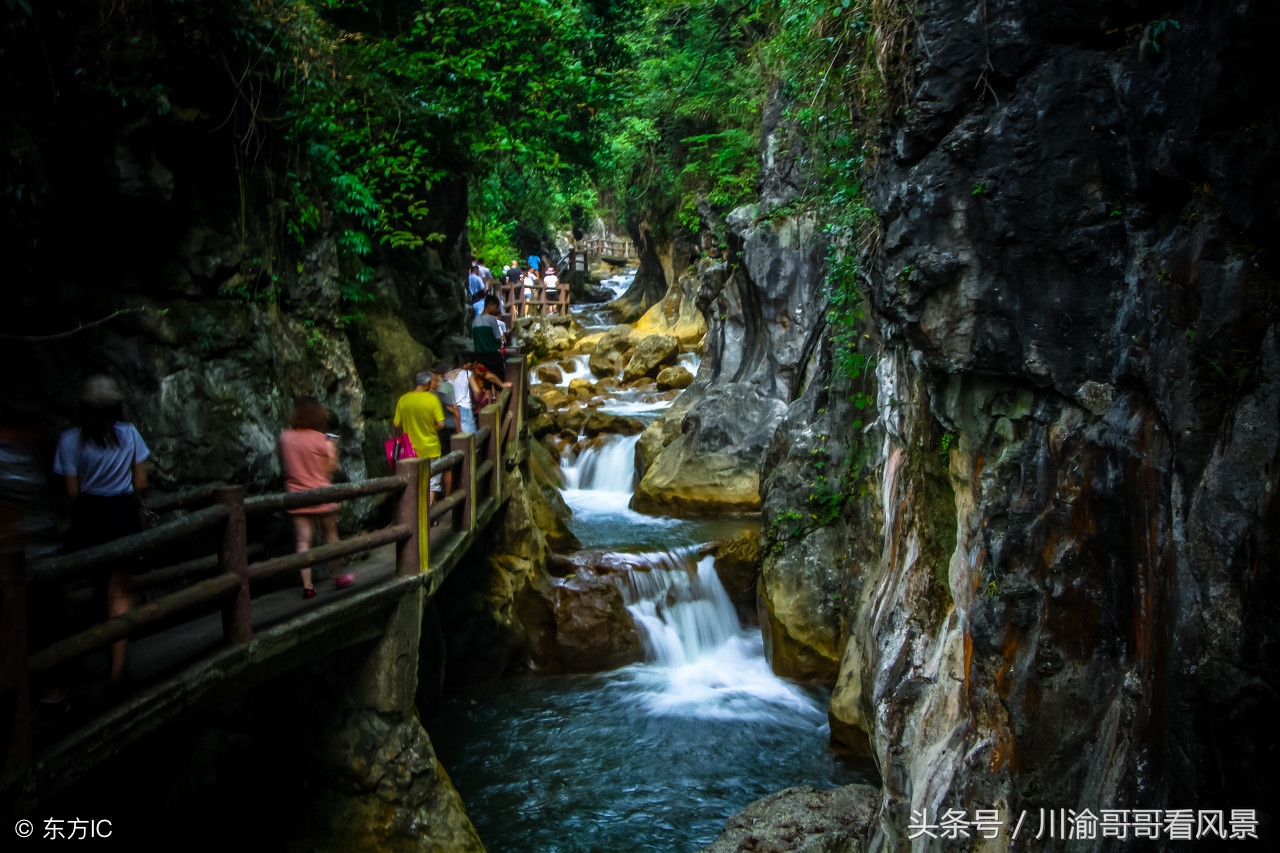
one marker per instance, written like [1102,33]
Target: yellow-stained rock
[684,482]
[676,314]
[798,608]
[849,725]
[587,344]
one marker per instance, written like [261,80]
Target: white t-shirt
[460,380]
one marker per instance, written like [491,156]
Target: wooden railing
[426,535]
[539,301]
[608,248]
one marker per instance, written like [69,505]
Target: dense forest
[369,121]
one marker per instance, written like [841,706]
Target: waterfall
[610,467]
[680,606]
[700,662]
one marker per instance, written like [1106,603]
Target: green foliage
[683,122]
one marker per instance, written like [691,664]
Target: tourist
[420,416]
[550,289]
[513,276]
[512,273]
[464,384]
[103,462]
[490,385]
[487,336]
[28,532]
[310,458]
[475,287]
[443,389]
[486,275]
[531,287]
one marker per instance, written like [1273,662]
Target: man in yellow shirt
[420,414]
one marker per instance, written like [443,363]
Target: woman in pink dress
[310,458]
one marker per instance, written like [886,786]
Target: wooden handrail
[445,504]
[181,500]
[134,545]
[205,565]
[443,463]
[200,598]
[354,545]
[323,495]
[476,464]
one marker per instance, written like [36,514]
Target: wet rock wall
[763,305]
[1052,582]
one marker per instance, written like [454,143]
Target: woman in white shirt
[464,385]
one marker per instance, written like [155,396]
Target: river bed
[657,755]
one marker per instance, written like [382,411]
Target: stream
[654,756]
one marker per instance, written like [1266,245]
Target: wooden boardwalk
[223,634]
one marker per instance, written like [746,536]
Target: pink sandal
[343,581]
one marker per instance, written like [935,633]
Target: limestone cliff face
[763,306]
[1052,583]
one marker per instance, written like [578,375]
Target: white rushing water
[700,661]
[611,467]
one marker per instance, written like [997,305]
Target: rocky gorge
[1027,545]
[1038,567]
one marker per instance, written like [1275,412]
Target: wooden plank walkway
[225,634]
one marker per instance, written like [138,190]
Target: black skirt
[96,519]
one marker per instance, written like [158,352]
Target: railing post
[465,514]
[517,375]
[409,559]
[489,417]
[233,558]
[13,661]
[424,516]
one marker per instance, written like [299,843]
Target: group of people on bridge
[101,465]
[537,284]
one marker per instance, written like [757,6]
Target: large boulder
[737,565]
[587,345]
[674,377]
[684,481]
[541,425]
[547,337]
[608,357]
[551,396]
[651,354]
[599,422]
[593,630]
[581,389]
[802,820]
[799,606]
[549,374]
[676,313]
[573,418]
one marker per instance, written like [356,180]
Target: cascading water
[608,467]
[703,664]
[653,756]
